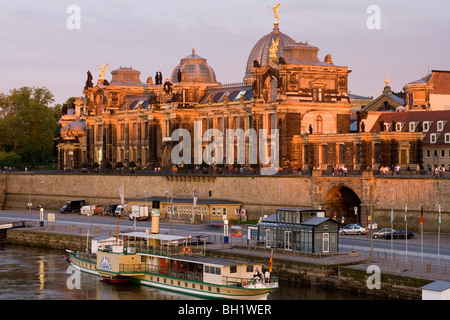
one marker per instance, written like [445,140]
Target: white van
[139,212]
[88,210]
[119,210]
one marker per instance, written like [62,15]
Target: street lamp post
[225,231]
[41,217]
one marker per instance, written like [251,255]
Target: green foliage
[28,124]
[9,159]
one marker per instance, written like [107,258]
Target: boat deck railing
[86,256]
[161,271]
[254,281]
[170,251]
[195,275]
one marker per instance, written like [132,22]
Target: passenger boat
[175,263]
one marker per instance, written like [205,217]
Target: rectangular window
[341,153]
[442,153]
[429,153]
[233,269]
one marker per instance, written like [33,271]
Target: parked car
[72,206]
[382,233]
[110,210]
[215,224]
[399,234]
[352,229]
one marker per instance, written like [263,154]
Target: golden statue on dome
[275,11]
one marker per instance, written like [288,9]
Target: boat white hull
[237,294]
[86,270]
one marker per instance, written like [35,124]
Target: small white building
[100,242]
[438,290]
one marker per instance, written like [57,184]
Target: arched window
[319,124]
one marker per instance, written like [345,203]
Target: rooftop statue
[275,11]
[102,72]
[273,48]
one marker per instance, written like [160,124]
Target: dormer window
[447,138]
[427,125]
[399,126]
[440,125]
[412,126]
[433,137]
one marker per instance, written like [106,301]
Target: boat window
[212,270]
[249,268]
[233,269]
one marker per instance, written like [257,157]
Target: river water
[41,274]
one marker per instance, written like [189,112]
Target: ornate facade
[286,87]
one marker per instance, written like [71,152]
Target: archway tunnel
[342,203]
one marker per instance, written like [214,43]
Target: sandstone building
[124,121]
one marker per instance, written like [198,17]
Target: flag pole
[421,229]
[406,226]
[439,229]
[392,228]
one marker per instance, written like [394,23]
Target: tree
[9,159]
[28,124]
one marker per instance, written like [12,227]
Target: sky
[49,44]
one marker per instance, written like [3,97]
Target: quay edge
[346,275]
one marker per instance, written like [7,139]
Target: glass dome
[194,67]
[260,51]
